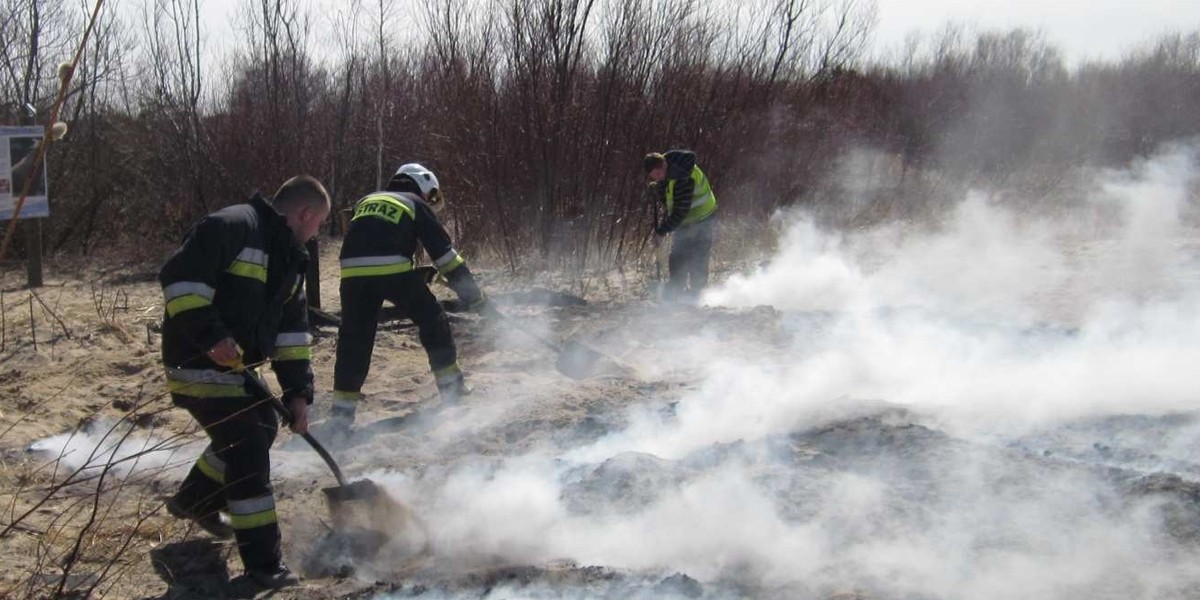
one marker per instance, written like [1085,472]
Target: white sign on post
[18,149]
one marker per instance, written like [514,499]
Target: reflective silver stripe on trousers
[204,376]
[251,506]
[293,339]
[183,288]
[214,461]
[374,261]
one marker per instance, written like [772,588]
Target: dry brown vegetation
[535,112]
[90,447]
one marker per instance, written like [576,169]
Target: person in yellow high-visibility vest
[691,209]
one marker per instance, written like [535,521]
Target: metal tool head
[366,505]
[363,489]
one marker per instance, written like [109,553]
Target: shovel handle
[260,391]
[499,316]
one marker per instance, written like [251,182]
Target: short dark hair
[301,189]
[653,161]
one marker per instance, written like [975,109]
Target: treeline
[535,113]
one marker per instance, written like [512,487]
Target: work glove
[298,407]
[226,353]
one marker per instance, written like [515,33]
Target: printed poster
[18,149]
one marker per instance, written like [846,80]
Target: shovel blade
[363,504]
[577,361]
[363,489]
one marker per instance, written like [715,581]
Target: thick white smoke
[1092,310]
[116,448]
[1126,242]
[865,447]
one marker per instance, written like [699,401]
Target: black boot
[274,578]
[452,391]
[208,521]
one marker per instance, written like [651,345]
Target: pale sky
[1082,29]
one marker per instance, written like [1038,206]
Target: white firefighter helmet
[426,180]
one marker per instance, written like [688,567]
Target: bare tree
[352,63]
[87,173]
[36,35]
[174,94]
[535,112]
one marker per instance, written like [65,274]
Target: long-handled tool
[660,248]
[381,509]
[343,492]
[660,278]
[576,359]
[369,526]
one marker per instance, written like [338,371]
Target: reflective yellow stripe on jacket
[384,206]
[250,262]
[293,346]
[206,383]
[368,266]
[448,261]
[183,296]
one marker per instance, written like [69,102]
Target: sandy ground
[524,491]
[79,360]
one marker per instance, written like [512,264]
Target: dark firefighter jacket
[685,192]
[239,274]
[383,237]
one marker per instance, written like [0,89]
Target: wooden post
[33,227]
[33,252]
[312,279]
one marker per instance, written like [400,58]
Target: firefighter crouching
[377,265]
[234,295]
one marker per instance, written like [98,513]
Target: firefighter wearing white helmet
[377,265]
[427,183]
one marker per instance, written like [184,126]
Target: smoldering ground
[997,406]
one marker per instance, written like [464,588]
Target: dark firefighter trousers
[362,297]
[233,474]
[691,246]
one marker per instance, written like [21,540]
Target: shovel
[660,258]
[343,497]
[361,490]
[660,248]
[576,359]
